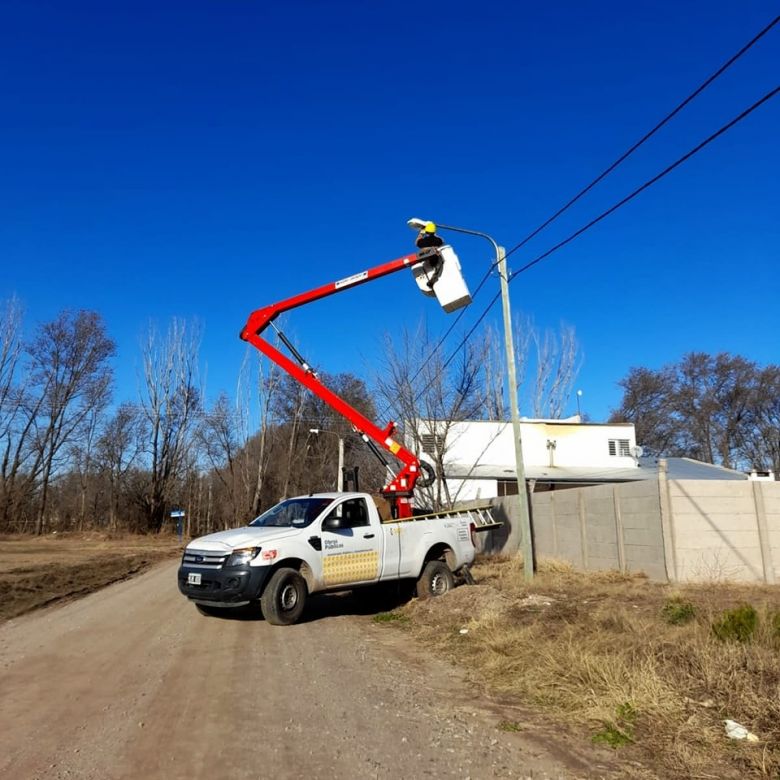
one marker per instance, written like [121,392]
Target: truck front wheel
[284,597]
[436,580]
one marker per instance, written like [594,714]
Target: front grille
[203,559]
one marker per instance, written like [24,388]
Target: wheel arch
[299,565]
[440,552]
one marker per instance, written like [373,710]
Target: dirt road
[131,682]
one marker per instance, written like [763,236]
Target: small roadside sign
[178,515]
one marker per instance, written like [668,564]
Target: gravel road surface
[132,682]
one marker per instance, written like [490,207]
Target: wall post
[667,522]
[763,534]
[583,528]
[621,550]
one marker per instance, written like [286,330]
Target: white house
[479,456]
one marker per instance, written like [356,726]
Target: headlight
[242,556]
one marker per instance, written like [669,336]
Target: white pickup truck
[319,543]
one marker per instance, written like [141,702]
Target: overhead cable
[695,150]
[606,172]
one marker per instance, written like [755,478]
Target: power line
[743,115]
[447,332]
[649,183]
[646,137]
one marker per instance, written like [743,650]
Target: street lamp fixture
[422,225]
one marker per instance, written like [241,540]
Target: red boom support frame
[399,489]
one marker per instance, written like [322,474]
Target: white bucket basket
[445,282]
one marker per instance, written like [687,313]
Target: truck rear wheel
[436,580]
[284,597]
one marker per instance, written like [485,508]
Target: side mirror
[331,523]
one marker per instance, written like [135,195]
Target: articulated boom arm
[399,489]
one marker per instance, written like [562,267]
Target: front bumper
[235,585]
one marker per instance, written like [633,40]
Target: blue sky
[201,160]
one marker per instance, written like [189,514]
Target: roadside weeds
[647,669]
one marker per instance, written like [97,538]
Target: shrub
[621,731]
[738,624]
[390,617]
[677,612]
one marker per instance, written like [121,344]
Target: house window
[506,487]
[620,448]
[432,444]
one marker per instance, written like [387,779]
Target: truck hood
[226,541]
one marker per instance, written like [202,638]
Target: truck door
[350,545]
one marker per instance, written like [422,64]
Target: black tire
[427,475]
[284,598]
[436,580]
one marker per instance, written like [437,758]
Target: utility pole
[522,492]
[340,477]
[340,482]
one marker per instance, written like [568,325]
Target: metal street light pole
[340,477]
[522,492]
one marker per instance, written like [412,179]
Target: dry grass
[36,571]
[602,652]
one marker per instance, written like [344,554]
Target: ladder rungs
[482,516]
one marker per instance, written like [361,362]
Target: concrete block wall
[597,528]
[640,520]
[678,530]
[768,503]
[714,531]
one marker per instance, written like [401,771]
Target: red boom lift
[437,272]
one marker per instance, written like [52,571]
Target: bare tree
[266,384]
[69,363]
[647,402]
[15,424]
[759,438]
[171,403]
[716,408]
[117,452]
[219,435]
[494,366]
[427,397]
[553,359]
[10,354]
[82,458]
[557,365]
[290,403]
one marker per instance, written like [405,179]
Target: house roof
[688,468]
[574,421]
[647,468]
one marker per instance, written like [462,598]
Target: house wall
[473,489]
[576,444]
[676,530]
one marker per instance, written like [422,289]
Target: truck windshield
[293,513]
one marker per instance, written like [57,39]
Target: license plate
[193,579]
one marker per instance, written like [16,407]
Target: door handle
[368,536]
